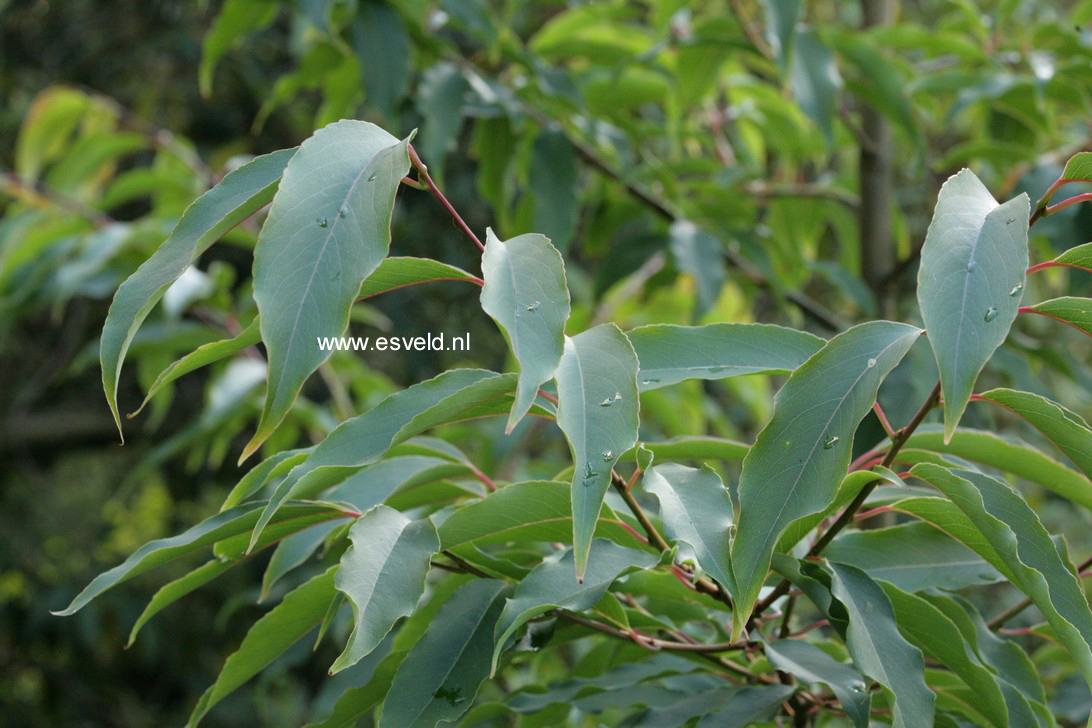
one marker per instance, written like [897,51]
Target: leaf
[223,525]
[809,664]
[292,551]
[913,557]
[366,438]
[1078,257]
[47,129]
[879,650]
[1078,168]
[259,475]
[699,254]
[729,707]
[800,457]
[554,181]
[597,411]
[697,447]
[1005,531]
[399,272]
[925,626]
[1012,457]
[382,45]
[669,354]
[280,628]
[780,25]
[814,80]
[383,575]
[170,593]
[441,674]
[1066,430]
[239,195]
[550,586]
[237,18]
[327,231]
[696,511]
[203,356]
[1077,312]
[356,702]
[526,294]
[441,96]
[972,271]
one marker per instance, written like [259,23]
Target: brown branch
[422,170]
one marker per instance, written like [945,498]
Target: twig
[422,170]
[997,622]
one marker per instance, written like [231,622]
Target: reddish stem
[422,170]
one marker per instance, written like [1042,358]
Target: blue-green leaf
[809,664]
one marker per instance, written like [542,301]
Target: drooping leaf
[399,272]
[382,45]
[696,511]
[969,284]
[232,522]
[300,612]
[327,231]
[913,557]
[993,520]
[236,19]
[926,627]
[814,80]
[780,26]
[809,664]
[383,575]
[47,129]
[441,97]
[526,294]
[1067,430]
[202,356]
[554,181]
[669,354]
[239,195]
[879,650]
[701,255]
[550,585]
[442,672]
[597,411]
[800,457]
[292,551]
[1077,312]
[170,593]
[530,511]
[366,438]
[1011,456]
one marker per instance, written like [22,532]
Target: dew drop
[787,444]
[871,363]
[1010,221]
[830,442]
[533,306]
[608,455]
[991,313]
[322,222]
[343,211]
[858,687]
[617,396]
[650,381]
[606,402]
[971,266]
[1016,290]
[374,175]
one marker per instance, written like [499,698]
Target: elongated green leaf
[236,19]
[696,511]
[800,457]
[1077,312]
[530,511]
[47,128]
[1078,168]
[550,585]
[696,447]
[383,574]
[382,46]
[1078,257]
[554,176]
[597,411]
[292,551]
[700,254]
[239,195]
[913,557]
[938,637]
[526,294]
[202,356]
[366,438]
[998,524]
[809,664]
[814,80]
[670,354]
[259,475]
[729,707]
[356,702]
[170,593]
[441,674]
[223,525]
[1067,430]
[300,612]
[327,231]
[972,273]
[879,650]
[1011,456]
[399,272]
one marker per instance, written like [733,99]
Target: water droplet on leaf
[650,381]
[1010,221]
[533,306]
[322,222]
[871,363]
[374,175]
[1016,290]
[971,265]
[343,211]
[787,444]
[991,313]
[606,402]
[608,455]
[830,442]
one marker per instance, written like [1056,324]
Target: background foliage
[718,161]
